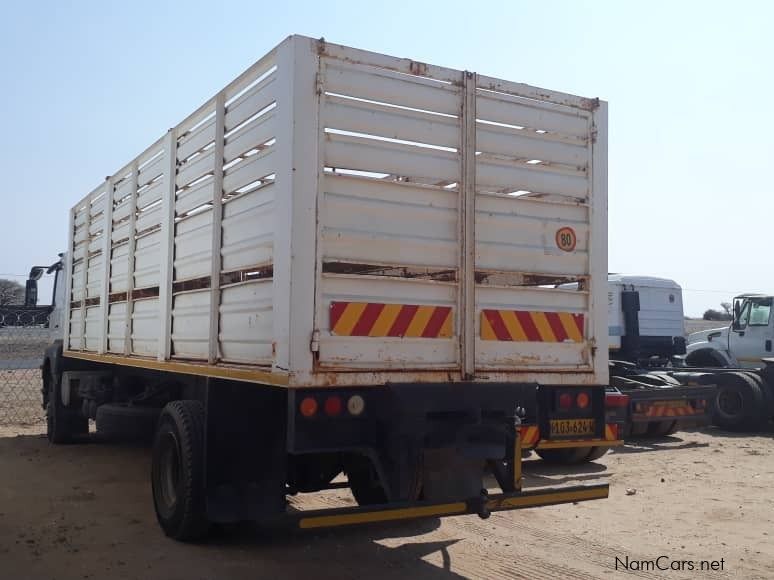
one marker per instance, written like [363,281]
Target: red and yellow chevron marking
[611,431]
[398,320]
[671,409]
[527,326]
[530,435]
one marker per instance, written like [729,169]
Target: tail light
[333,406]
[308,407]
[616,400]
[355,405]
[565,401]
[582,400]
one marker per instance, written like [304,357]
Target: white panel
[151,170]
[248,104]
[501,175]
[193,246]
[77,278]
[197,139]
[528,145]
[392,158]
[190,324]
[246,322]
[389,87]
[249,170]
[248,229]
[522,355]
[93,328]
[370,222]
[116,327]
[150,194]
[94,276]
[196,167]
[512,111]
[75,329]
[516,235]
[195,197]
[246,138]
[145,327]
[146,261]
[364,352]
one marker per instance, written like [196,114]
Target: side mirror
[31,293]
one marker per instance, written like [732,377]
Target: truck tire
[739,404]
[365,486]
[63,425]
[596,453]
[177,471]
[568,456]
[121,422]
[661,428]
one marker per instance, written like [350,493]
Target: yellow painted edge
[382,516]
[220,372]
[579,443]
[548,498]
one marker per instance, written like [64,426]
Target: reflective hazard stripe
[530,434]
[531,326]
[376,319]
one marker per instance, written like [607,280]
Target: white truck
[343,262]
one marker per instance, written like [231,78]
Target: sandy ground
[84,511]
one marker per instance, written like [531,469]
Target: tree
[713,314]
[11,292]
[726,306]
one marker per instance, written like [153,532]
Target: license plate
[565,427]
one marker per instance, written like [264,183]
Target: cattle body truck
[343,263]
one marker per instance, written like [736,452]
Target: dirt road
[85,512]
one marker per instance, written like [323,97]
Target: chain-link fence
[24,335]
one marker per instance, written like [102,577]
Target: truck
[739,354]
[343,264]
[646,334]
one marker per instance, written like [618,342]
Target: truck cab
[745,342]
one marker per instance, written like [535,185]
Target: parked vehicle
[646,333]
[339,264]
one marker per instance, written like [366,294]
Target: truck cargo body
[359,252]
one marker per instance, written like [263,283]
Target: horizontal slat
[193,246]
[153,169]
[191,325]
[149,195]
[247,171]
[246,138]
[245,106]
[372,119]
[492,175]
[388,87]
[197,139]
[247,322]
[145,327]
[569,122]
[116,327]
[248,229]
[196,167]
[148,218]
[535,93]
[194,197]
[392,158]
[529,145]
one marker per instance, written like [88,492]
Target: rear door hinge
[314,345]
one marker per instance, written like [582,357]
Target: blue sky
[86,86]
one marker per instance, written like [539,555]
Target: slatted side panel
[219,193]
[533,186]
[230,213]
[388,206]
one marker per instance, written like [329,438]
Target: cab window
[744,316]
[760,313]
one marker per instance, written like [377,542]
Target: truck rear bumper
[689,404]
[482,506]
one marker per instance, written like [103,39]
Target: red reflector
[565,401]
[582,400]
[308,406]
[616,400]
[333,406]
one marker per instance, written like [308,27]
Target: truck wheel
[63,425]
[364,481]
[177,471]
[120,422]
[567,456]
[596,453]
[739,403]
[661,428]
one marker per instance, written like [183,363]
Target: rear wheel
[661,428]
[63,424]
[567,456]
[739,403]
[177,471]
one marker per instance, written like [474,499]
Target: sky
[86,86]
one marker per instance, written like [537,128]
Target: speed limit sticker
[566,239]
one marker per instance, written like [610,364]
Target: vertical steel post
[107,232]
[217,226]
[467,228]
[167,246]
[130,258]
